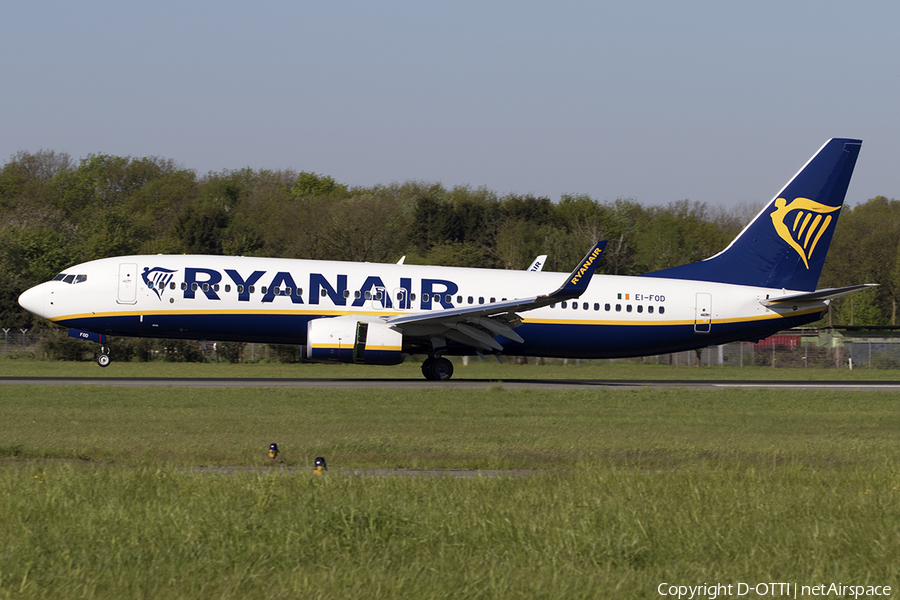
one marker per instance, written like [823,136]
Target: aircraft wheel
[437,369]
[103,360]
[426,368]
[442,368]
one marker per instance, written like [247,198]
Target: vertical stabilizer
[785,245]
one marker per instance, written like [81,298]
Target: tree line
[56,212]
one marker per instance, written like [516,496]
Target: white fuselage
[273,300]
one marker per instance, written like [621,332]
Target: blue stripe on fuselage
[576,340]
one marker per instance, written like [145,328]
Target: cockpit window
[70,278]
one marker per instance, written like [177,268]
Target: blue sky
[718,102]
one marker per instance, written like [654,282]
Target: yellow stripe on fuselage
[339,313]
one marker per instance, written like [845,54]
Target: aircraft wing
[816,296]
[477,325]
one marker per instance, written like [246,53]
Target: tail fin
[785,245]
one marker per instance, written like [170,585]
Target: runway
[454,384]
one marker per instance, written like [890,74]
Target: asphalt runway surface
[453,384]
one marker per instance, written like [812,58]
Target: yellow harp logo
[809,222]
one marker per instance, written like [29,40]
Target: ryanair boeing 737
[763,282]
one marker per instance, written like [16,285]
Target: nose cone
[34,300]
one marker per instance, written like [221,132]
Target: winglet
[577,282]
[538,263]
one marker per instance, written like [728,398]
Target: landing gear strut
[437,368]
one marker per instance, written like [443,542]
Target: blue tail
[785,245]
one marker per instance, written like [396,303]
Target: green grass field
[120,492]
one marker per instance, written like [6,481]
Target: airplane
[764,281]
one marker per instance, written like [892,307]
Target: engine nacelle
[349,340]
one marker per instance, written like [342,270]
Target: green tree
[102,180]
[28,257]
[865,249]
[200,228]
[311,185]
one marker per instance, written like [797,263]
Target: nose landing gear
[103,360]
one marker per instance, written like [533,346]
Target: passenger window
[627,308]
[346,293]
[459,299]
[574,306]
[216,287]
[662,309]
[640,308]
[240,289]
[172,286]
[263,290]
[584,306]
[183,285]
[492,299]
[252,289]
[412,297]
[426,298]
[194,287]
[471,300]
[481,300]
[596,306]
[448,299]
[618,308]
[205,287]
[650,309]
[606,307]
[287,291]
[227,287]
[399,295]
[322,292]
[378,295]
[564,304]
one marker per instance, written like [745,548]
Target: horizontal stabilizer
[817,296]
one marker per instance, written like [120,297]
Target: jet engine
[349,340]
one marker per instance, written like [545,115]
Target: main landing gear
[437,368]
